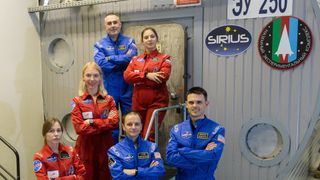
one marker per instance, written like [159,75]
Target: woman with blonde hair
[94,116]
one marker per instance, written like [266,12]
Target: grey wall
[21,107]
[242,88]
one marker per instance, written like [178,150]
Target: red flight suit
[63,166]
[94,140]
[147,94]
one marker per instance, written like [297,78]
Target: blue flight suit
[186,149]
[113,59]
[124,155]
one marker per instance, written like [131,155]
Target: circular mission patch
[285,42]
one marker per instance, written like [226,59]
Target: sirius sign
[229,40]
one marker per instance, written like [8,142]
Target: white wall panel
[247,88]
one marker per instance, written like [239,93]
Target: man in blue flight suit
[113,54]
[195,145]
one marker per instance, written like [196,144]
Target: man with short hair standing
[113,54]
[195,145]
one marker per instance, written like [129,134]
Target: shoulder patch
[153,147]
[221,138]
[176,128]
[115,150]
[216,130]
[37,165]
[122,47]
[73,105]
[111,162]
[168,61]
[134,45]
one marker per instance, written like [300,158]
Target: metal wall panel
[240,88]
[243,88]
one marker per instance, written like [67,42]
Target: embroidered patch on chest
[64,155]
[53,174]
[105,114]
[155,59]
[71,170]
[110,48]
[101,101]
[186,135]
[52,158]
[87,101]
[140,60]
[129,157]
[87,115]
[122,47]
[202,135]
[143,155]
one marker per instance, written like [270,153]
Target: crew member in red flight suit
[94,116]
[149,73]
[55,160]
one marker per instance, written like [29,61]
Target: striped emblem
[285,42]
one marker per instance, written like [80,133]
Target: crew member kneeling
[133,157]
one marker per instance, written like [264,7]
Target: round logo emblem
[37,165]
[285,42]
[228,40]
